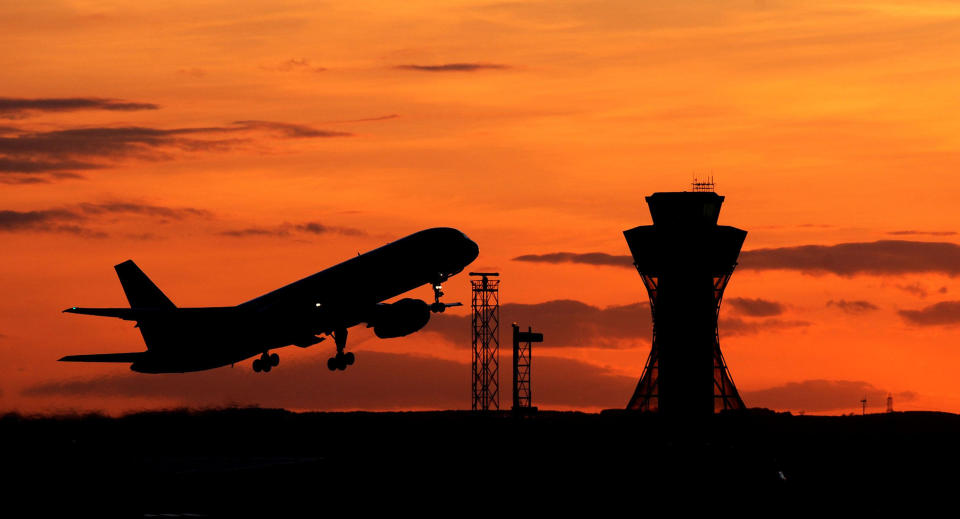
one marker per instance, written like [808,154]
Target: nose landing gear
[438,307]
[266,362]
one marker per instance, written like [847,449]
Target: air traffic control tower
[685,261]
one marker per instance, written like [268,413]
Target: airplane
[327,303]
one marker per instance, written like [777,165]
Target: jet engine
[401,318]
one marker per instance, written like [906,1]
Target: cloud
[8,165]
[51,220]
[377,381]
[73,219]
[294,65]
[587,258]
[755,307]
[564,323]
[926,233]
[367,119]
[821,395]
[569,323]
[319,228]
[852,307]
[916,288]
[454,67]
[885,257]
[254,232]
[939,314]
[287,229]
[174,213]
[737,326]
[53,152]
[16,108]
[290,131]
[848,259]
[26,171]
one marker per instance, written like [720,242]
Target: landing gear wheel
[257,366]
[266,368]
[340,362]
[274,359]
[438,307]
[349,358]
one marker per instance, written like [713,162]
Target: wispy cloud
[51,220]
[288,229]
[564,323]
[52,154]
[852,307]
[586,258]
[923,233]
[454,67]
[885,257]
[939,314]
[849,259]
[755,307]
[76,219]
[290,131]
[738,326]
[18,107]
[174,213]
[366,119]
[821,395]
[294,65]
[414,382]
[248,232]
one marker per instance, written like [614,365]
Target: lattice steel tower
[486,341]
[685,261]
[522,353]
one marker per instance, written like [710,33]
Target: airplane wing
[104,357]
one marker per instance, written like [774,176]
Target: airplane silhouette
[327,303]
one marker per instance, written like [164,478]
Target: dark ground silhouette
[279,463]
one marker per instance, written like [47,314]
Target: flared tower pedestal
[685,261]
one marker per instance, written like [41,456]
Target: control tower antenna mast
[704,186]
[486,341]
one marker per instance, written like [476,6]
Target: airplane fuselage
[347,294]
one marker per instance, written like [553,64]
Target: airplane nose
[473,250]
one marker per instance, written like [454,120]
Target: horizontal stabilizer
[105,357]
[121,313]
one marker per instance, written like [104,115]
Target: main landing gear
[266,362]
[341,360]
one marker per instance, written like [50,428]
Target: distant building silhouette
[685,261]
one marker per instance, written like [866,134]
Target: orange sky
[209,133]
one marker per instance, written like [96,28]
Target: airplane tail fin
[140,291]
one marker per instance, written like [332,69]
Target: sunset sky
[230,148]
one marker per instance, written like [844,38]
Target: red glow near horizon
[279,139]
